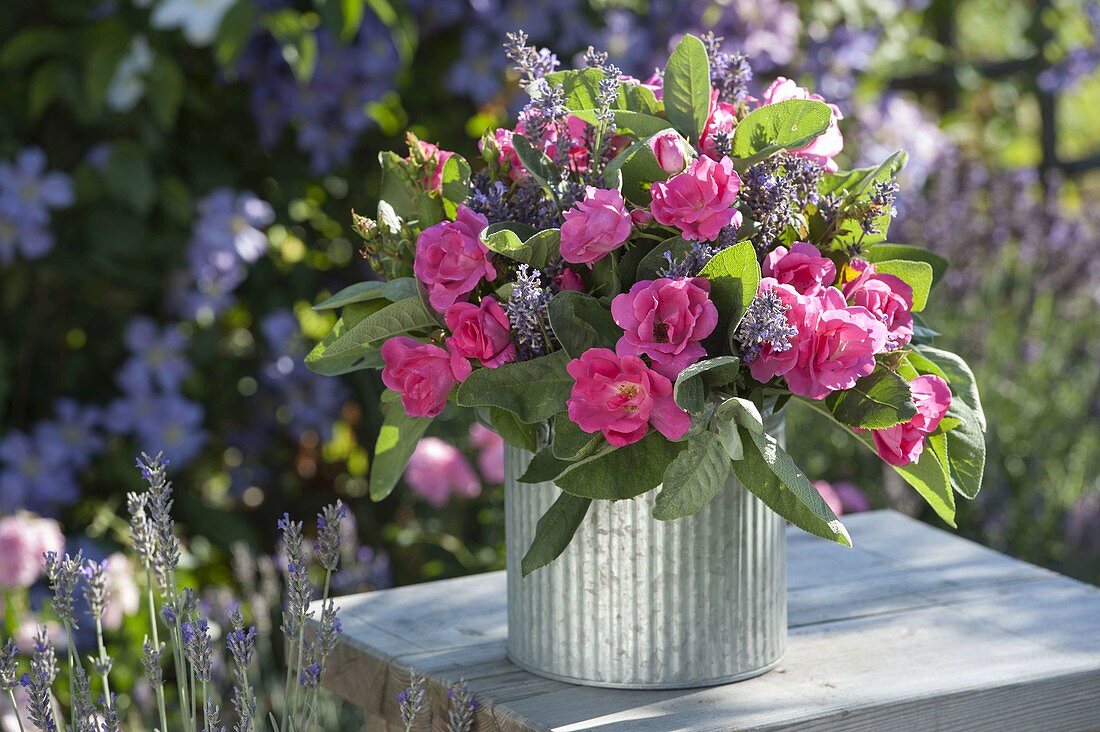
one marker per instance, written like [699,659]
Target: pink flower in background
[640,217]
[437,471]
[665,319]
[671,151]
[482,332]
[699,201]
[827,145]
[123,595]
[888,298]
[843,497]
[568,279]
[802,267]
[594,226]
[723,118]
[433,175]
[24,538]
[490,456]
[424,374]
[840,350]
[621,397]
[508,155]
[450,258]
[903,443]
[801,315]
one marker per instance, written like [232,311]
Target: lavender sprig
[765,324]
[460,717]
[411,700]
[531,63]
[95,594]
[527,314]
[241,644]
[299,595]
[9,676]
[730,73]
[39,681]
[327,547]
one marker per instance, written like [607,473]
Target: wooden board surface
[914,629]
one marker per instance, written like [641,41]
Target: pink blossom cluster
[24,539]
[437,470]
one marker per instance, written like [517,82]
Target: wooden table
[914,629]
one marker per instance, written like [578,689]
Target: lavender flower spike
[411,700]
[328,543]
[765,324]
[460,717]
[39,680]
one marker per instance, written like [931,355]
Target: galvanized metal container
[634,602]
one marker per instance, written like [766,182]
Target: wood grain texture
[913,629]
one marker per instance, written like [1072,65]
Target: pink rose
[621,397]
[903,443]
[843,497]
[888,298]
[424,374]
[665,319]
[802,267]
[670,150]
[723,118]
[450,258]
[433,173]
[801,315]
[840,350]
[490,457]
[482,332]
[656,84]
[699,201]
[824,147]
[568,279]
[23,540]
[437,470]
[594,226]
[640,217]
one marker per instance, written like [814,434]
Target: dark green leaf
[236,28]
[396,441]
[768,472]
[404,316]
[544,467]
[533,390]
[786,125]
[570,441]
[554,531]
[129,176]
[166,84]
[393,290]
[693,478]
[580,322]
[513,431]
[624,472]
[687,87]
[690,390]
[879,400]
[655,260]
[398,187]
[541,168]
[32,44]
[364,356]
[965,449]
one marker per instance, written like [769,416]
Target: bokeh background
[176,182]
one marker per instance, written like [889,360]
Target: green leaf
[770,474]
[734,274]
[392,290]
[580,322]
[965,449]
[917,275]
[166,85]
[639,169]
[957,374]
[743,412]
[49,81]
[404,316]
[109,43]
[398,188]
[129,176]
[690,389]
[786,125]
[538,248]
[581,88]
[879,400]
[622,473]
[513,431]
[655,260]
[693,478]
[634,124]
[854,185]
[364,357]
[236,28]
[554,531]
[396,441]
[32,44]
[456,183]
[533,390]
[883,252]
[541,168]
[687,87]
[544,467]
[570,441]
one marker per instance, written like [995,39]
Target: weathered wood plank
[914,629]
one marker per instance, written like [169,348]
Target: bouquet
[637,276]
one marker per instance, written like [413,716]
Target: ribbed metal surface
[636,602]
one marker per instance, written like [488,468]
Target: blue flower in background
[33,478]
[74,436]
[158,357]
[171,424]
[28,193]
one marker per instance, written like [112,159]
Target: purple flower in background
[309,400]
[174,426]
[28,192]
[158,357]
[843,497]
[329,110]
[74,435]
[33,478]
[1078,62]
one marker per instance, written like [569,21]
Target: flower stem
[156,644]
[15,710]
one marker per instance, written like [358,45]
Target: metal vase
[634,602]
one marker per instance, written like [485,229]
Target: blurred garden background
[176,186]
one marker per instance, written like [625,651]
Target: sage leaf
[554,531]
[532,390]
[686,90]
[693,478]
[879,400]
[624,472]
[395,444]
